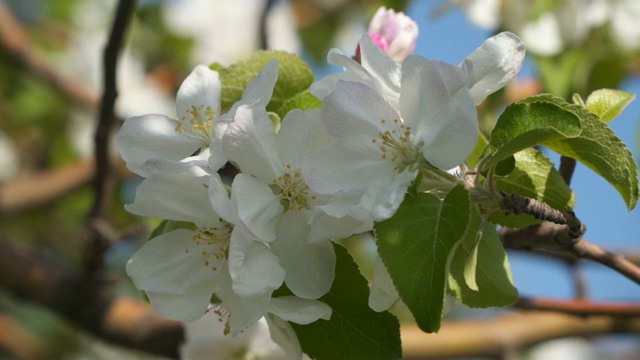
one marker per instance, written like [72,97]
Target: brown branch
[494,337]
[75,297]
[566,169]
[518,204]
[579,307]
[15,41]
[39,189]
[42,188]
[124,12]
[558,238]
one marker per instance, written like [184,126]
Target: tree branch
[72,295]
[494,337]
[518,204]
[558,238]
[122,19]
[579,307]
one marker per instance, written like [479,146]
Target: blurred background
[51,82]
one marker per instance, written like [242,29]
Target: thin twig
[579,307]
[73,296]
[122,19]
[566,169]
[518,204]
[558,238]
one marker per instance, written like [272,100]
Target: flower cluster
[327,173]
[549,29]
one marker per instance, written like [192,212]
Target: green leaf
[303,101]
[534,176]
[493,280]
[294,76]
[532,121]
[415,244]
[354,330]
[602,151]
[608,103]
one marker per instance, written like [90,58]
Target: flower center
[292,190]
[223,317]
[199,120]
[213,243]
[396,146]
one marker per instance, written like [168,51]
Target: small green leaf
[415,244]
[602,151]
[294,76]
[608,103]
[532,121]
[303,101]
[493,280]
[535,177]
[471,266]
[354,330]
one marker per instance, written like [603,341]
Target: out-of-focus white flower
[395,33]
[566,23]
[214,25]
[205,340]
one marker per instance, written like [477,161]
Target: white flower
[386,118]
[395,33]
[273,201]
[152,142]
[180,269]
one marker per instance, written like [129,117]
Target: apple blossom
[180,269]
[395,33]
[164,144]
[272,200]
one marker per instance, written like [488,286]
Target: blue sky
[451,38]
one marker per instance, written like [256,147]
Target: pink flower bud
[395,33]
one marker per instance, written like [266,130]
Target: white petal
[354,113]
[339,169]
[178,196]
[310,267]
[181,307]
[201,160]
[257,206]
[259,89]
[449,142]
[220,201]
[254,269]
[217,158]
[490,67]
[173,263]
[283,334]
[299,311]
[301,134]
[244,310]
[153,137]
[383,196]
[200,89]
[250,142]
[383,294]
[423,95]
[384,71]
